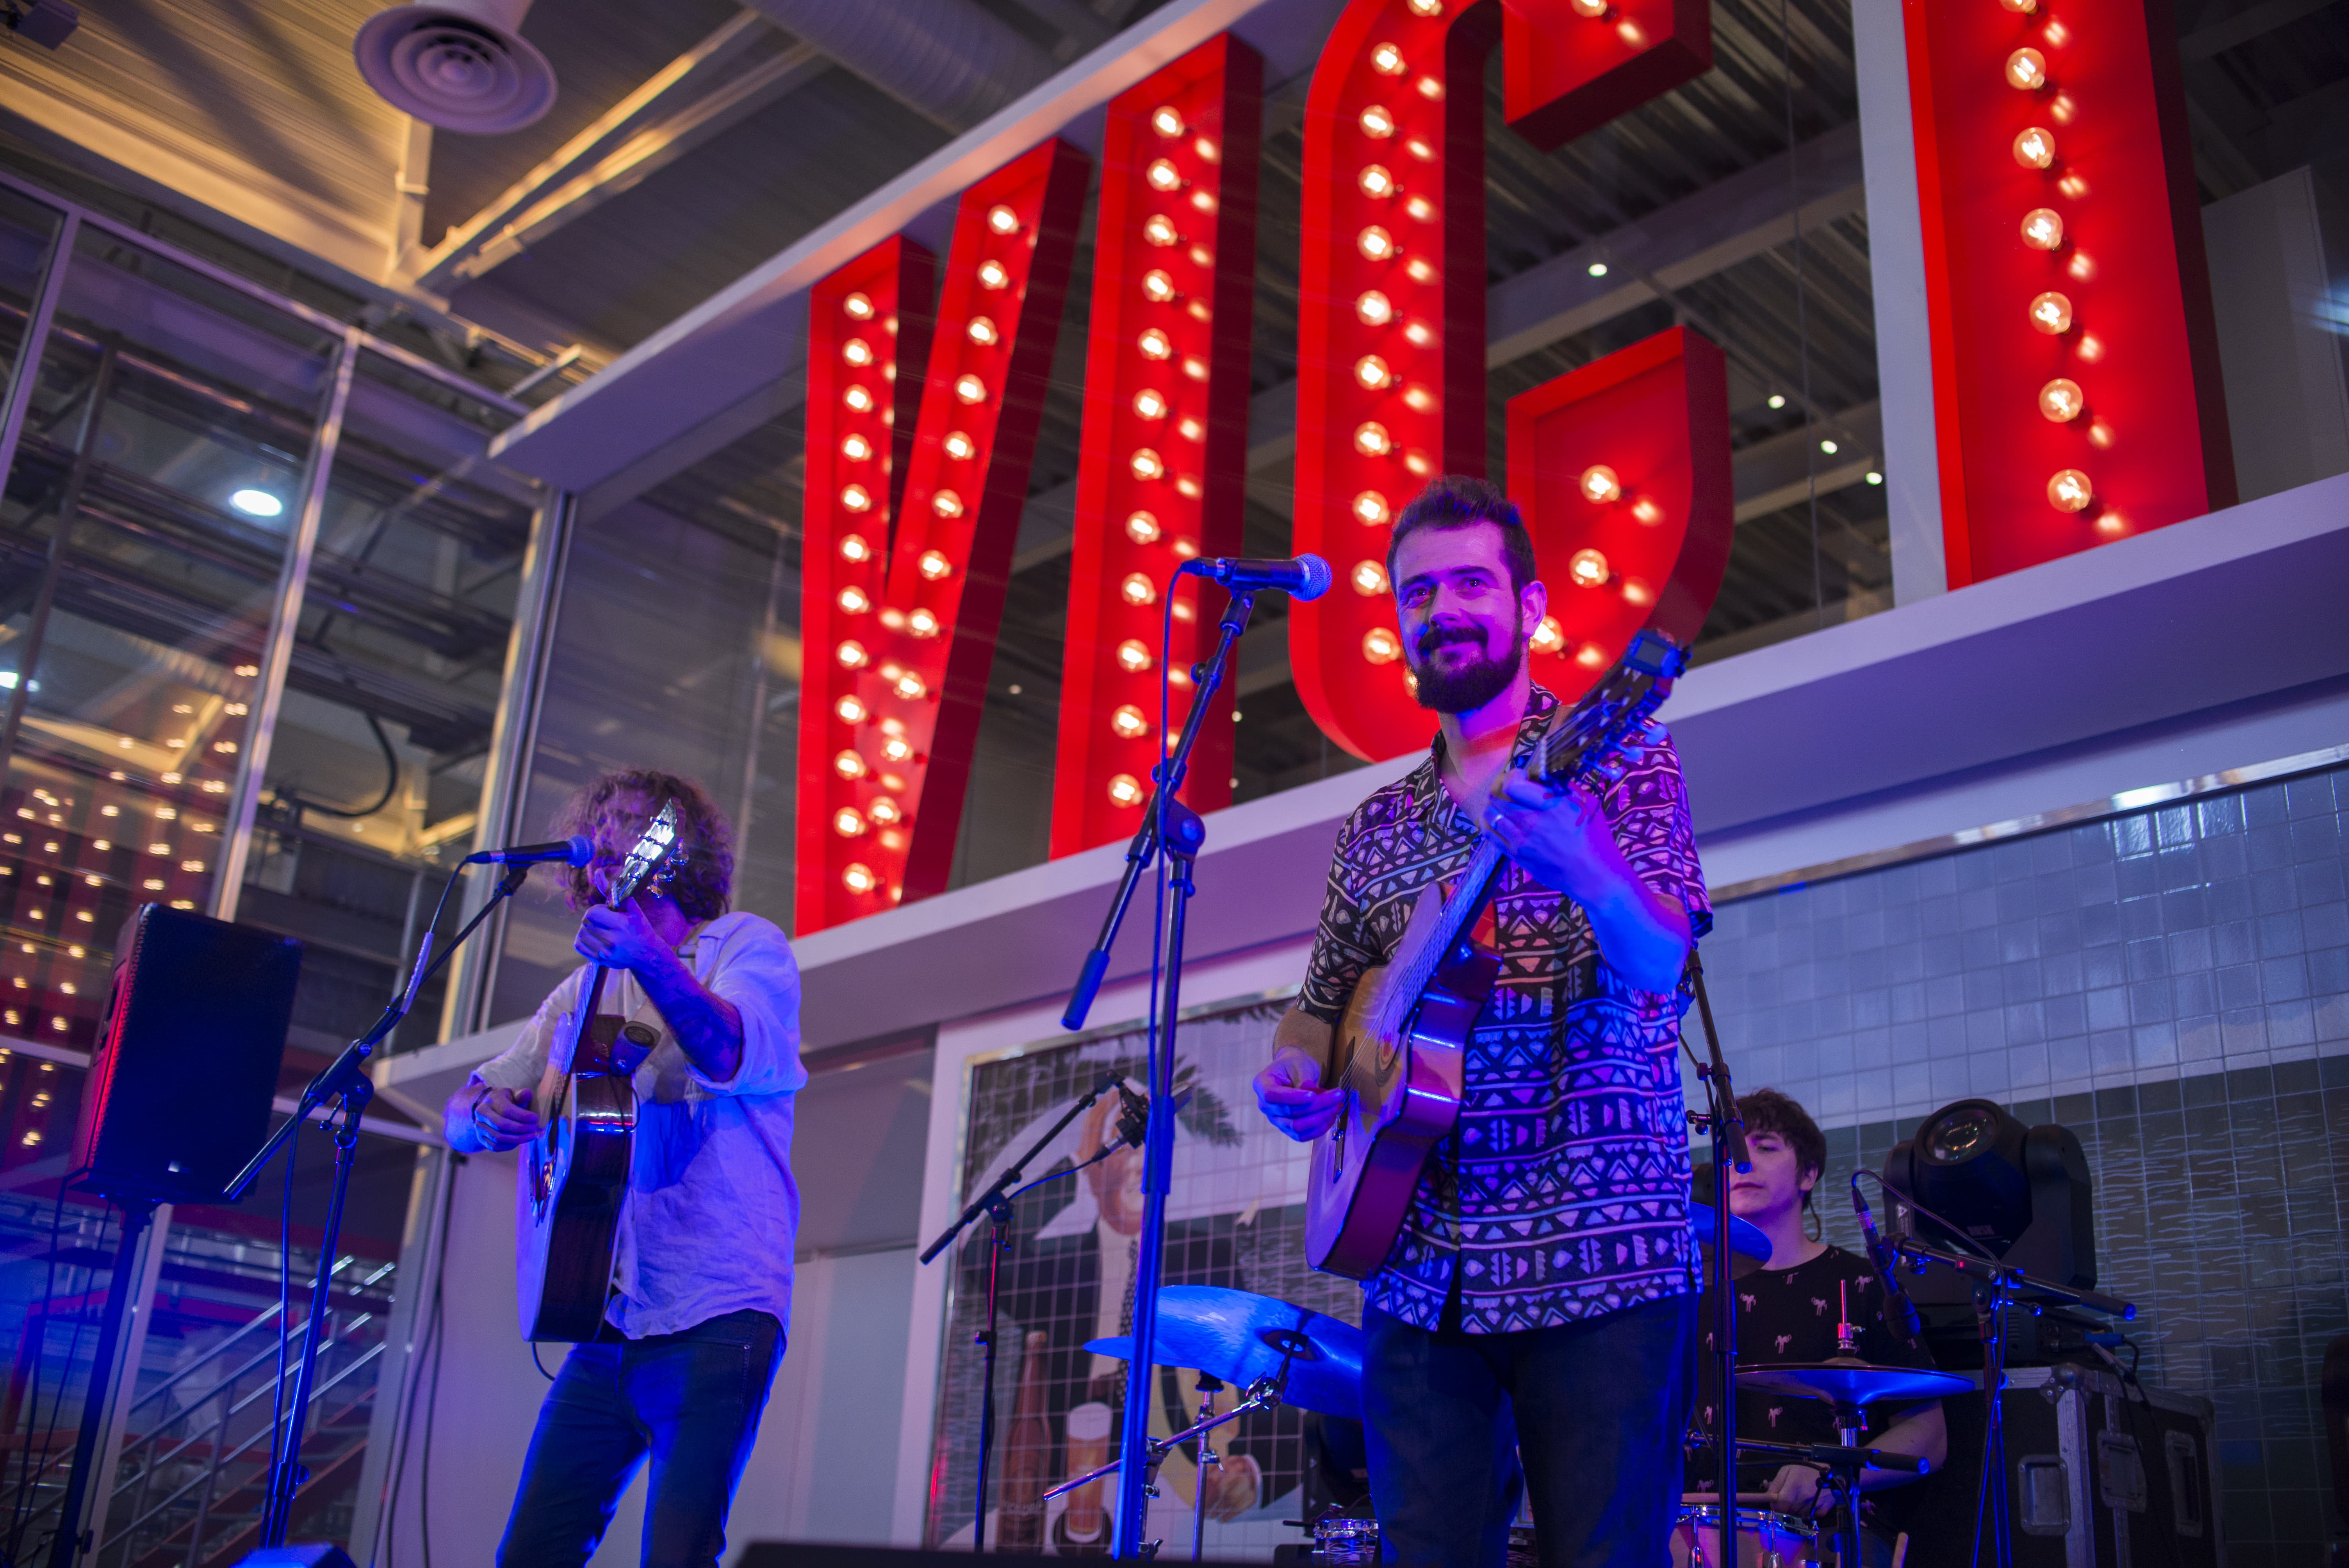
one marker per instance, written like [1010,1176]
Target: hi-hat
[1240,1337]
[1853,1382]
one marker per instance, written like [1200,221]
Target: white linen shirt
[711,1213]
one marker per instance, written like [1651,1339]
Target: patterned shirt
[1563,1194]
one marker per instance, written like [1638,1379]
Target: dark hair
[1767,1110]
[1458,501]
[704,852]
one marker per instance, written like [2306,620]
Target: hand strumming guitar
[1288,1089]
[1563,840]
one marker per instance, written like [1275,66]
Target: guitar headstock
[652,858]
[1613,714]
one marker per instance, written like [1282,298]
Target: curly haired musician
[1545,1270]
[702,1286]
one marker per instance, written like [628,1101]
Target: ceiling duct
[952,61]
[461,65]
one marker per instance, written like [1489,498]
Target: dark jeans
[1601,1409]
[690,1400]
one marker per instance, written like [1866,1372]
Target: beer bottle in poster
[1027,1458]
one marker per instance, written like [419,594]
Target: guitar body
[1403,1098]
[568,1190]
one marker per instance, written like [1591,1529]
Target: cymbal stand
[1850,1422]
[1208,1385]
[1728,1129]
[1263,1394]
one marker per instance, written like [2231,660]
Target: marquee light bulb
[1155,344]
[933,566]
[1427,7]
[1165,120]
[1149,404]
[849,765]
[2042,229]
[2026,69]
[2062,400]
[1203,200]
[982,332]
[854,547]
[1376,182]
[1548,637]
[909,686]
[1371,372]
[1375,243]
[1134,656]
[1380,646]
[1370,439]
[851,710]
[1157,286]
[2035,148]
[859,399]
[970,389]
[1419,269]
[857,352]
[1378,122]
[1128,722]
[1148,465]
[1159,230]
[960,446]
[856,448]
[1421,209]
[1369,578]
[1137,589]
[859,307]
[2051,313]
[1387,60]
[1431,89]
[2021,7]
[1125,789]
[1374,309]
[1163,175]
[946,503]
[1591,9]
[1600,484]
[993,274]
[884,811]
[1191,430]
[856,498]
[1370,509]
[1142,528]
[847,822]
[922,623]
[854,600]
[1588,568]
[2070,491]
[1002,220]
[858,878]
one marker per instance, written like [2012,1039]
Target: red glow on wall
[1622,469]
[2076,368]
[1568,67]
[866,323]
[902,750]
[1164,454]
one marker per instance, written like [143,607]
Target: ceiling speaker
[462,64]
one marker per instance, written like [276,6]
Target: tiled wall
[2171,984]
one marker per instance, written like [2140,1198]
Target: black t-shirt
[1790,1315]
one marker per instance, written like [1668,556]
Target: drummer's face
[1776,1184]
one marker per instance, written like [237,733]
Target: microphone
[1306,577]
[1900,1312]
[1132,1117]
[577,850]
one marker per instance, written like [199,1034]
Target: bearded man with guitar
[689,1296]
[1543,1266]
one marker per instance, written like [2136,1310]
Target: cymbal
[1239,1337]
[1749,1248]
[1854,1383]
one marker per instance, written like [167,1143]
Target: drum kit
[1277,1354]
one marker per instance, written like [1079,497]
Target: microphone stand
[1728,1129]
[1174,828]
[344,1079]
[996,1204]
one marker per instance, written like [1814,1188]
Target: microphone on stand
[1900,1312]
[1132,1116]
[577,851]
[1305,577]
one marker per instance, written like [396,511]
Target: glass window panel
[375,771]
[28,233]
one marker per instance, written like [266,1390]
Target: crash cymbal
[1854,1383]
[1749,1248]
[1239,1336]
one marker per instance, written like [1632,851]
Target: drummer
[1788,1311]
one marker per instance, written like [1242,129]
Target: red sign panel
[912,661]
[1568,67]
[2076,366]
[1165,451]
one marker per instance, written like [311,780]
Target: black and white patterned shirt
[1563,1195]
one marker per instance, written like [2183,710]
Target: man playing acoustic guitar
[1546,1266]
[700,1291]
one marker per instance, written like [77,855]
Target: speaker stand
[97,1404]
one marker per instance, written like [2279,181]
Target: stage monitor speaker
[301,1554]
[187,1059]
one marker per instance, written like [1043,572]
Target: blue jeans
[1601,1409]
[692,1401]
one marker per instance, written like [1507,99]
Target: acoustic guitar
[575,1173]
[1401,1047]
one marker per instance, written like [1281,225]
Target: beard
[1470,685]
